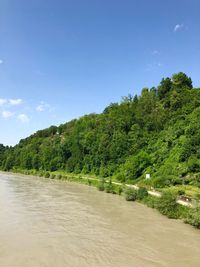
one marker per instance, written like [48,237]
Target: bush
[160,182]
[41,174]
[59,176]
[120,177]
[52,176]
[119,191]
[47,175]
[142,193]
[109,188]
[193,165]
[194,217]
[151,201]
[89,182]
[101,186]
[167,205]
[130,194]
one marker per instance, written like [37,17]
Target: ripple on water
[54,223]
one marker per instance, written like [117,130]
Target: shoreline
[120,188]
[73,176]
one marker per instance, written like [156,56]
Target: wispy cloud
[23,118]
[177,27]
[7,114]
[43,107]
[3,101]
[153,66]
[1,61]
[15,102]
[155,52]
[40,108]
[10,102]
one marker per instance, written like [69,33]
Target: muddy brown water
[52,223]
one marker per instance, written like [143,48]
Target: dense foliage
[194,217]
[157,132]
[168,206]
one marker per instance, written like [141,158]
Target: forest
[156,132]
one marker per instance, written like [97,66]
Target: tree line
[157,132]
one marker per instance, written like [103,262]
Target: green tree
[164,88]
[182,80]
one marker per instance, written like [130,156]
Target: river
[53,223]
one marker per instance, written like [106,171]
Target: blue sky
[61,59]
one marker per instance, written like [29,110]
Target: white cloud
[153,66]
[7,114]
[11,102]
[15,102]
[43,106]
[23,118]
[178,27]
[40,108]
[3,101]
[1,61]
[155,52]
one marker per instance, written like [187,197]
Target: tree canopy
[157,132]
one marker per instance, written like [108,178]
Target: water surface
[52,223]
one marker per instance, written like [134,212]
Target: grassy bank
[166,204]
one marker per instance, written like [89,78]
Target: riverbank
[167,203]
[48,222]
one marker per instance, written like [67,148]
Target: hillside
[157,132]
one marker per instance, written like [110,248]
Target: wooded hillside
[157,132]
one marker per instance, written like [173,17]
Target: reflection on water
[58,224]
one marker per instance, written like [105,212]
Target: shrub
[59,176]
[160,182]
[120,177]
[151,201]
[101,186]
[119,191]
[142,193]
[193,165]
[52,176]
[41,174]
[103,172]
[194,217]
[109,187]
[130,194]
[167,205]
[64,177]
[47,175]
[89,182]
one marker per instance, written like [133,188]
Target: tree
[157,130]
[164,88]
[182,80]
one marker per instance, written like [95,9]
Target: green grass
[189,190]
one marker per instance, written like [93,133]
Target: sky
[61,59]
